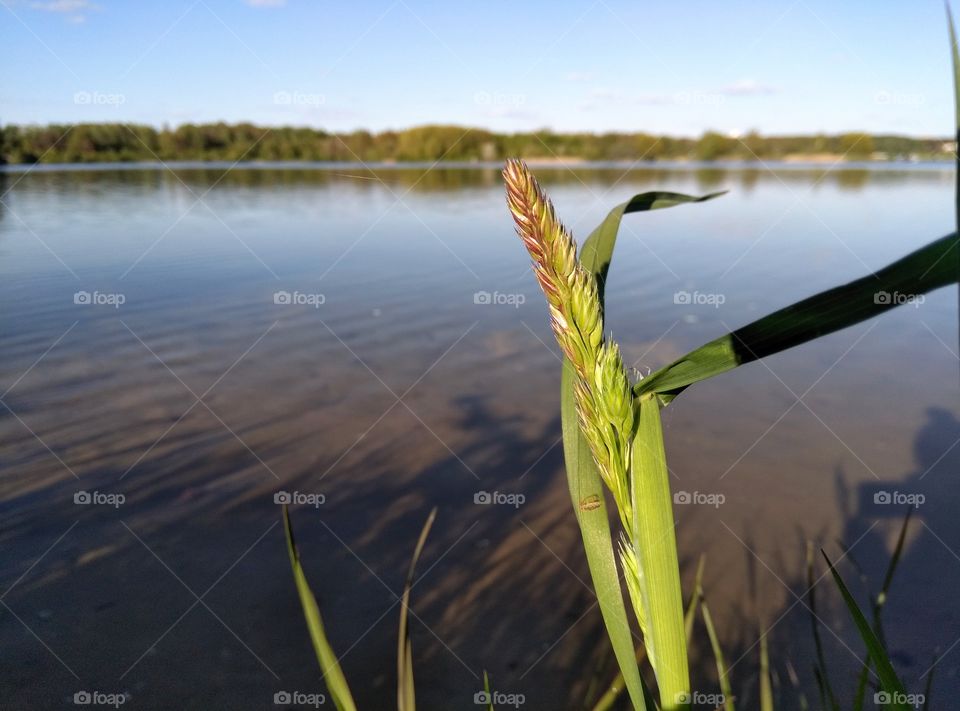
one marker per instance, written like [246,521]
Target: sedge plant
[624,435]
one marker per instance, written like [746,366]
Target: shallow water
[390,386]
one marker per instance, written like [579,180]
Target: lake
[181,343]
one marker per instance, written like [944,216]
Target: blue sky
[677,68]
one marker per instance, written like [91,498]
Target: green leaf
[586,488]
[878,604]
[820,668]
[486,688]
[406,699]
[688,617]
[589,505]
[722,675]
[598,248]
[922,271]
[656,548]
[766,688]
[889,681]
[329,666]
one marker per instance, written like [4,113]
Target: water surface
[414,368]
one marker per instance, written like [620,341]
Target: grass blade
[862,681]
[881,598]
[766,687]
[589,506]
[598,248]
[486,688]
[406,699]
[583,480]
[922,271]
[878,603]
[722,675]
[889,681]
[605,702]
[688,618]
[329,666]
[656,548]
[823,680]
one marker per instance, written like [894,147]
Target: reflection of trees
[852,179]
[425,178]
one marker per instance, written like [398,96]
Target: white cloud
[64,7]
[578,76]
[73,10]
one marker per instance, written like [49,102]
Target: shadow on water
[501,586]
[920,620]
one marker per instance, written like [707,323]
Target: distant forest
[87,143]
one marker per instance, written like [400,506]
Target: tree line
[110,142]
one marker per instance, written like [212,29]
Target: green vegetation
[111,142]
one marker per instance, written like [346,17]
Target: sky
[679,68]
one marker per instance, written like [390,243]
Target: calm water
[388,387]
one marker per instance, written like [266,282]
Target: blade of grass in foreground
[820,668]
[486,688]
[878,603]
[766,688]
[589,506]
[586,488]
[889,681]
[598,247]
[605,702]
[724,678]
[332,674]
[656,548]
[406,700]
[922,271]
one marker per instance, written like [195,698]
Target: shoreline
[787,163]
